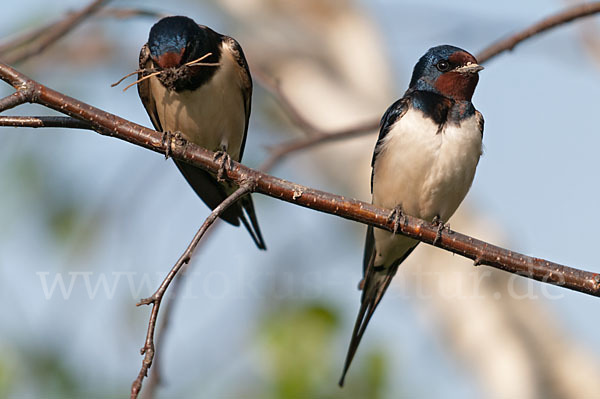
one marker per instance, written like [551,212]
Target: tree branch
[278,152]
[273,86]
[28,44]
[44,121]
[125,13]
[12,101]
[155,378]
[314,134]
[563,17]
[155,300]
[481,252]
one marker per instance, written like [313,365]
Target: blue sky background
[132,214]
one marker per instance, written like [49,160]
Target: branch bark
[44,121]
[482,253]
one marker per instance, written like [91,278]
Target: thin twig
[156,299]
[314,134]
[155,378]
[125,13]
[141,79]
[153,72]
[118,82]
[563,17]
[52,34]
[278,152]
[273,86]
[197,60]
[20,40]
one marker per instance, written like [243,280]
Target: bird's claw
[224,164]
[167,137]
[437,221]
[395,216]
[170,138]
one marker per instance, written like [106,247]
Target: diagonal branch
[314,134]
[482,253]
[125,13]
[13,100]
[156,299]
[280,151]
[22,39]
[561,18]
[273,86]
[27,45]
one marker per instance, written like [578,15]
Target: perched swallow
[203,89]
[423,165]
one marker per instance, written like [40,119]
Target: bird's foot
[224,164]
[170,138]
[395,216]
[437,221]
[167,139]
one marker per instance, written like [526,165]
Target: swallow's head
[447,70]
[173,41]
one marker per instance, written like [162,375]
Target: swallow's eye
[443,66]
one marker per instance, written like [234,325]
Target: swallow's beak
[469,68]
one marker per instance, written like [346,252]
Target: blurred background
[89,224]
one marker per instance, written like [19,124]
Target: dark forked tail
[375,284]
[252,226]
[376,281]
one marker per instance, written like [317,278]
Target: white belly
[212,116]
[425,172]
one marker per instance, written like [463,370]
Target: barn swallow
[423,165]
[201,87]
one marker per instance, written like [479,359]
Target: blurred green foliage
[35,371]
[5,378]
[297,342]
[56,199]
